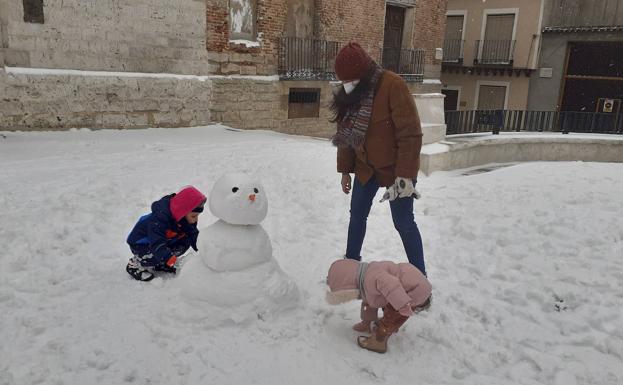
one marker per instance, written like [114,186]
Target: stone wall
[63,100]
[249,103]
[111,35]
[190,37]
[263,104]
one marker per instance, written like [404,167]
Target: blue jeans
[402,214]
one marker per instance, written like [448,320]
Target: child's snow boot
[390,323]
[376,342]
[366,326]
[138,272]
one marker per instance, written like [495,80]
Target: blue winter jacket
[158,234]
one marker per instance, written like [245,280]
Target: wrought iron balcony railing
[307,59]
[408,63]
[492,52]
[453,51]
[496,121]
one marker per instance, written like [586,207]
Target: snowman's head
[239,199]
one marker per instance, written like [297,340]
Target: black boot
[138,272]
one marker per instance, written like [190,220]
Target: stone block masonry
[61,100]
[256,103]
[120,35]
[263,104]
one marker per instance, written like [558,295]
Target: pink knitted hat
[185,201]
[343,275]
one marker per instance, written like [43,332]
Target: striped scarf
[351,131]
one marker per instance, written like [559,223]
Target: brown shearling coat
[393,139]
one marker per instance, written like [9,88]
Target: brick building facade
[247,63]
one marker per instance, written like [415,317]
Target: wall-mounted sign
[608,105]
[438,53]
[546,72]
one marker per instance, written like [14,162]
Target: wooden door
[392,41]
[451,101]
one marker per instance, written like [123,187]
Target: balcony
[494,52]
[408,63]
[453,51]
[307,59]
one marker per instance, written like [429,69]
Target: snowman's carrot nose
[252,197]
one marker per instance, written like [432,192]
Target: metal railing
[496,121]
[408,63]
[453,51]
[307,59]
[494,52]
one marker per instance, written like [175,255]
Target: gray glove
[402,188]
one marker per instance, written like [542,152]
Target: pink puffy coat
[400,284]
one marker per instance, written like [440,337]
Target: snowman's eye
[235,189]
[256,190]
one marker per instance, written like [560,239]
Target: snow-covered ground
[526,263]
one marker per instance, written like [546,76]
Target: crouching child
[400,289]
[160,237]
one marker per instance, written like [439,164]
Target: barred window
[304,103]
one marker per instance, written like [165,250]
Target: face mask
[350,86]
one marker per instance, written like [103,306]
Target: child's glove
[166,269]
[402,188]
[171,261]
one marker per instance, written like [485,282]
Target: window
[242,18]
[304,103]
[498,44]
[453,41]
[33,11]
[491,97]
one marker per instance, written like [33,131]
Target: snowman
[234,276]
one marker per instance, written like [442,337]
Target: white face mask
[350,86]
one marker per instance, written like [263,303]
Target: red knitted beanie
[352,62]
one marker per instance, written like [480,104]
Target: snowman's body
[234,247]
[235,269]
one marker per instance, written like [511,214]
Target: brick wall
[227,58]
[430,25]
[362,21]
[111,35]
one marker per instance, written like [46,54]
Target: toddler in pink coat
[400,289]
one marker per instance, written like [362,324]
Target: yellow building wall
[527,32]
[467,84]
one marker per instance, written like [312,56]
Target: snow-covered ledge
[465,151]
[430,109]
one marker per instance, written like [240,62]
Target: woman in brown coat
[379,138]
